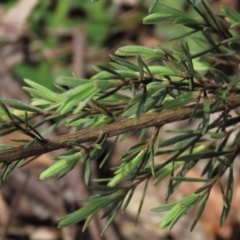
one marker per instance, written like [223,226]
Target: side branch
[117,128]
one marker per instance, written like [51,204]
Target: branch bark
[114,129]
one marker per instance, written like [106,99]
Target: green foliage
[172,82]
[177,210]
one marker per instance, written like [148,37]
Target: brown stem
[114,129]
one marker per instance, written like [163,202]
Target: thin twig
[114,129]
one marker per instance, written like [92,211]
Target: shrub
[173,82]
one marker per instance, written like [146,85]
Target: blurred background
[44,39]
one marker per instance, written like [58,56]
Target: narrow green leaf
[106,157]
[137,147]
[6,111]
[181,144]
[177,139]
[101,121]
[40,102]
[71,81]
[9,168]
[22,140]
[120,74]
[186,179]
[217,169]
[76,95]
[138,50]
[164,223]
[166,171]
[165,207]
[180,101]
[106,196]
[220,77]
[128,199]
[40,91]
[104,188]
[183,35]
[89,219]
[140,105]
[200,210]
[127,168]
[5,146]
[190,68]
[232,15]
[216,135]
[112,206]
[87,171]
[151,159]
[141,202]
[61,167]
[162,71]
[228,198]
[125,63]
[84,212]
[101,107]
[176,217]
[169,15]
[102,84]
[141,70]
[152,5]
[197,156]
[189,203]
[110,220]
[16,104]
[207,186]
[183,171]
[97,149]
[78,90]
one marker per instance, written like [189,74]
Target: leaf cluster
[139,83]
